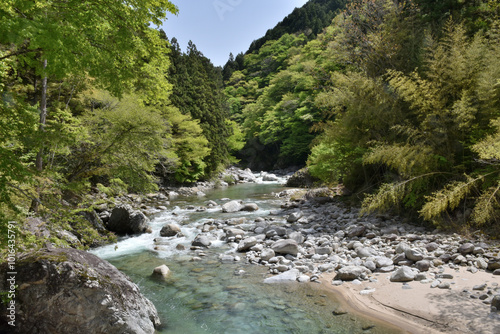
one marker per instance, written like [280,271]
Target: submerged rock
[249,207]
[288,276]
[72,291]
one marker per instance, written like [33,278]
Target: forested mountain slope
[398,99]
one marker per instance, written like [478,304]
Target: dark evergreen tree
[198,92]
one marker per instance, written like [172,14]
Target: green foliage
[377,35]
[489,148]
[311,18]
[448,198]
[106,41]
[124,140]
[18,143]
[116,188]
[447,121]
[406,160]
[189,147]
[198,93]
[333,161]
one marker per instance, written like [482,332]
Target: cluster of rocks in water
[128,214]
[316,235]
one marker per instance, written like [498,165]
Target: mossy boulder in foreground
[72,291]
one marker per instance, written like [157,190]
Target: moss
[42,255]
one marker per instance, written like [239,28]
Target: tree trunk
[43,120]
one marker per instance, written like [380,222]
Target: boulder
[243,175]
[466,248]
[324,250]
[301,179]
[232,206]
[124,220]
[297,236]
[170,230]
[246,244]
[431,246]
[201,241]
[266,254]
[349,273]
[250,207]
[382,261]
[364,252]
[139,223]
[494,264]
[355,231]
[423,265]
[294,216]
[403,274]
[286,246]
[232,232]
[414,254]
[92,217]
[495,303]
[72,291]
[270,177]
[161,272]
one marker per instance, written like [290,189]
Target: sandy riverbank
[421,309]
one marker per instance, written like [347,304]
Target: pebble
[444,285]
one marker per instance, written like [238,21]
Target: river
[208,296]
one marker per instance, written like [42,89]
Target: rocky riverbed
[310,237]
[316,238]
[314,234]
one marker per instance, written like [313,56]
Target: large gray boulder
[286,246]
[246,244]
[124,220]
[170,230]
[233,232]
[201,240]
[414,254]
[72,291]
[92,217]
[355,231]
[349,273]
[232,206]
[403,274]
[301,179]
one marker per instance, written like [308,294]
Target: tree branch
[24,193]
[19,52]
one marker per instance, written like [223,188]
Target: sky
[218,27]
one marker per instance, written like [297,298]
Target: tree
[445,154]
[198,92]
[109,43]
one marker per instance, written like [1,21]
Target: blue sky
[218,27]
